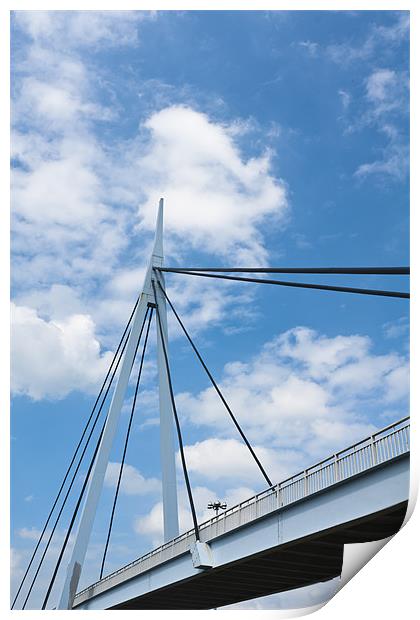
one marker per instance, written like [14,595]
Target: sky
[275,138]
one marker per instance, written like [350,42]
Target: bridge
[288,536]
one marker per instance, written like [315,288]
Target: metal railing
[384,445]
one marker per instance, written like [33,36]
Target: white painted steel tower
[167,450]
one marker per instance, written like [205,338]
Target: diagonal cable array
[111,371]
[77,458]
[126,440]
[209,273]
[79,500]
[71,482]
[216,387]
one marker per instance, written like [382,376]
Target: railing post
[407,437]
[336,472]
[305,483]
[373,449]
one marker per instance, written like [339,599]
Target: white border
[387,586]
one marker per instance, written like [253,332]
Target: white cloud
[31,533]
[387,106]
[15,562]
[127,282]
[345,98]
[75,198]
[378,37]
[379,83]
[304,395]
[319,354]
[55,91]
[132,481]
[65,226]
[397,383]
[215,199]
[52,358]
[397,328]
[60,101]
[59,197]
[47,312]
[82,28]
[310,46]
[366,374]
[397,31]
[229,459]
[202,302]
[62,191]
[394,164]
[59,301]
[151,524]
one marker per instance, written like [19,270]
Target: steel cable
[216,387]
[74,455]
[73,478]
[401,271]
[82,491]
[322,287]
[126,440]
[178,427]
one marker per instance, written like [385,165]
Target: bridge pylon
[167,449]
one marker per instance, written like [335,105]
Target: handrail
[369,444]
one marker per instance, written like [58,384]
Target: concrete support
[202,556]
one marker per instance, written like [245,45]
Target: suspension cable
[401,271]
[63,547]
[216,387]
[82,490]
[323,287]
[74,456]
[126,439]
[74,477]
[178,427]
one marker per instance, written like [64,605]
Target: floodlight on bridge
[217,506]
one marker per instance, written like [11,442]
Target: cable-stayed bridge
[289,536]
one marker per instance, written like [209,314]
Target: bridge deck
[387,446]
[307,561]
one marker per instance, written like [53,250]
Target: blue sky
[276,138]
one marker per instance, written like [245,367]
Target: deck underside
[304,562]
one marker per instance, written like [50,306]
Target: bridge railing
[384,445]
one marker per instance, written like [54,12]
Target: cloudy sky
[276,138]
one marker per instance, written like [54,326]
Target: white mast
[94,488]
